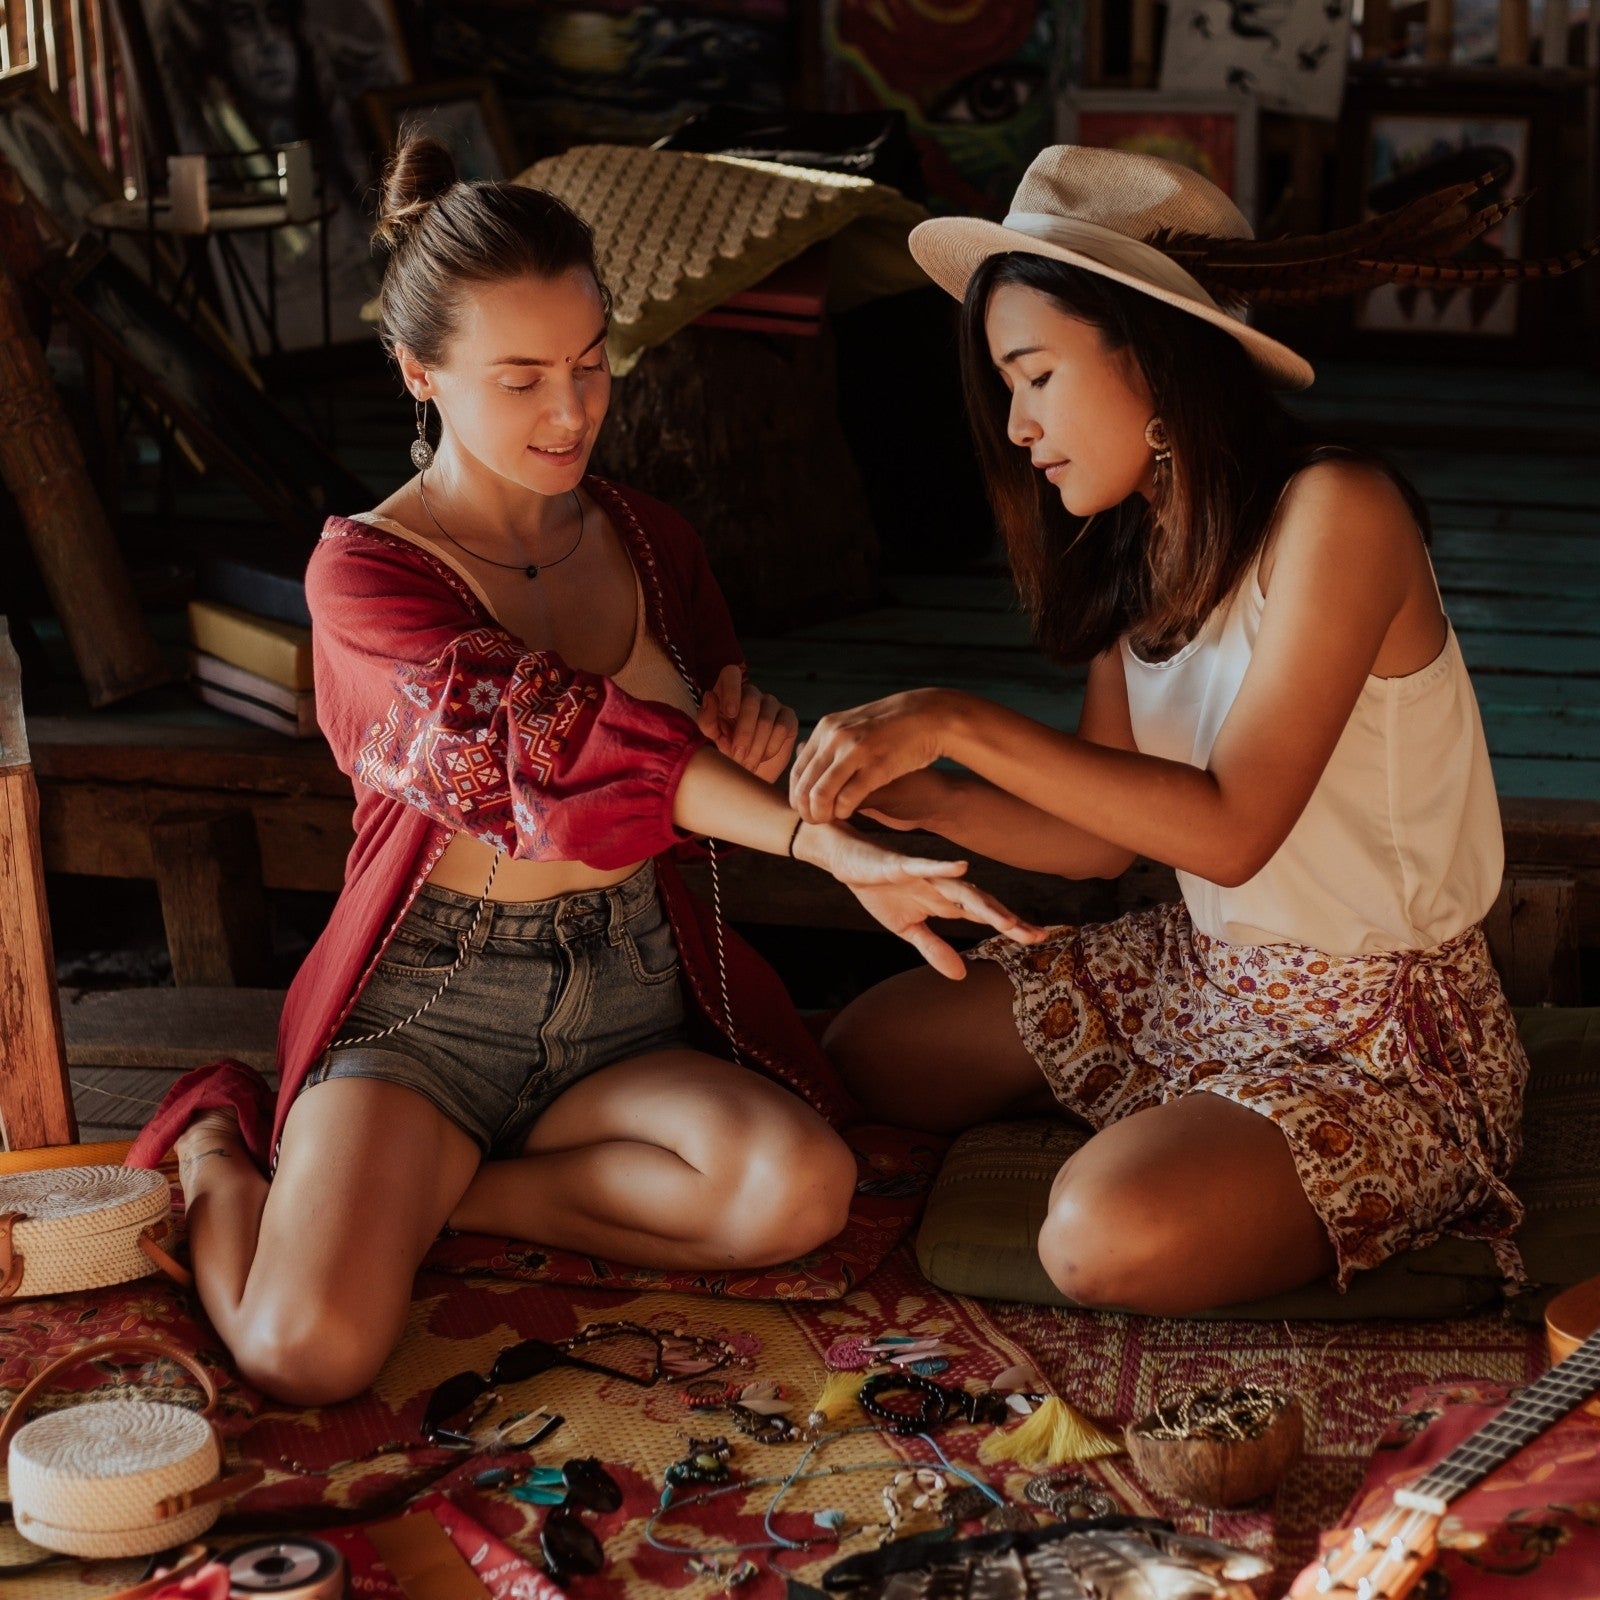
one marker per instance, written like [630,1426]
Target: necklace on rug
[529,569]
[829,1530]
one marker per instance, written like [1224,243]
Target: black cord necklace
[528,569]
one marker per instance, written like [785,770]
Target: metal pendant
[421,454]
[1009,1519]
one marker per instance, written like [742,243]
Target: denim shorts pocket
[652,951]
[418,950]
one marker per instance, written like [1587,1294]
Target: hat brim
[951,249]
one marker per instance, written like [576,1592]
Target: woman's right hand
[903,892]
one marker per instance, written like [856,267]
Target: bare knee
[790,1194]
[1106,1244]
[309,1357]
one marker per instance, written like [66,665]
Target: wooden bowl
[1218,1473]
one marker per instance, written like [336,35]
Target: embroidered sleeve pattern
[526,754]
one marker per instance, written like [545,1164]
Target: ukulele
[1388,1559]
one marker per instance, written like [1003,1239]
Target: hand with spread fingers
[757,730]
[903,892]
[850,754]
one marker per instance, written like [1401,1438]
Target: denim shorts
[551,991]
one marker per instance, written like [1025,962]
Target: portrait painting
[977,82]
[246,75]
[616,71]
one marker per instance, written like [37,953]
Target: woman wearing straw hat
[1307,1064]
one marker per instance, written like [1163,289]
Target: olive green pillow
[984,1213]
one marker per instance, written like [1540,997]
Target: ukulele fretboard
[1541,1405]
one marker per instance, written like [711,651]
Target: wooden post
[1094,43]
[1513,45]
[1553,51]
[1532,931]
[1142,45]
[35,1096]
[43,466]
[208,874]
[1439,32]
[1377,30]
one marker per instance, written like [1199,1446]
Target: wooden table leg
[208,873]
[35,1096]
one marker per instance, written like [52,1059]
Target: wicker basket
[70,1228]
[115,1478]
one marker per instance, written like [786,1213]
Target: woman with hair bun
[518,1021]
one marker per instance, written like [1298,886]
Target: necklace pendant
[530,571]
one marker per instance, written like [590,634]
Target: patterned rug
[1351,1377]
[364,1460]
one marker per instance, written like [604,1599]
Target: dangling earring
[421,450]
[1155,435]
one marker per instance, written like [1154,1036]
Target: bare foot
[211,1134]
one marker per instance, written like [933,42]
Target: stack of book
[255,667]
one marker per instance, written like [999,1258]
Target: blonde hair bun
[419,172]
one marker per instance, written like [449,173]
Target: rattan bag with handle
[116,1477]
[66,1229]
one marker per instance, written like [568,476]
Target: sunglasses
[515,1364]
[569,1546]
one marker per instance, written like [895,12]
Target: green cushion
[978,1234]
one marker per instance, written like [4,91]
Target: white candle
[186,189]
[296,182]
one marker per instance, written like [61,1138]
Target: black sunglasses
[566,1542]
[514,1364]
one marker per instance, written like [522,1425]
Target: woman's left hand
[850,754]
[756,730]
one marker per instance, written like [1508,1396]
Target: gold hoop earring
[421,450]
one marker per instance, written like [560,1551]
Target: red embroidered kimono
[445,721]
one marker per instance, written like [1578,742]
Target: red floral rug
[894,1171]
[1352,1379]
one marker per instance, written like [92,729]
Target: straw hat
[1100,209]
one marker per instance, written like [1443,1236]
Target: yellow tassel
[1052,1436]
[839,1404]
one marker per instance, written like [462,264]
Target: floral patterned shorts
[1396,1079]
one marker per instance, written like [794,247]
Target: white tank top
[1399,846]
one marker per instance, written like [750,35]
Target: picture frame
[226,77]
[60,170]
[1214,135]
[1404,136]
[228,420]
[464,114]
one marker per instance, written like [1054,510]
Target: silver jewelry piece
[421,450]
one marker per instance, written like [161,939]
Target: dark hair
[443,234]
[1154,570]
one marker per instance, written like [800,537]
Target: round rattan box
[112,1478]
[66,1229]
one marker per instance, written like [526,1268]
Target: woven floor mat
[329,1464]
[1350,1377]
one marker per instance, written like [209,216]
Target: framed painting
[1404,139]
[238,76]
[463,114]
[1214,135]
[62,172]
